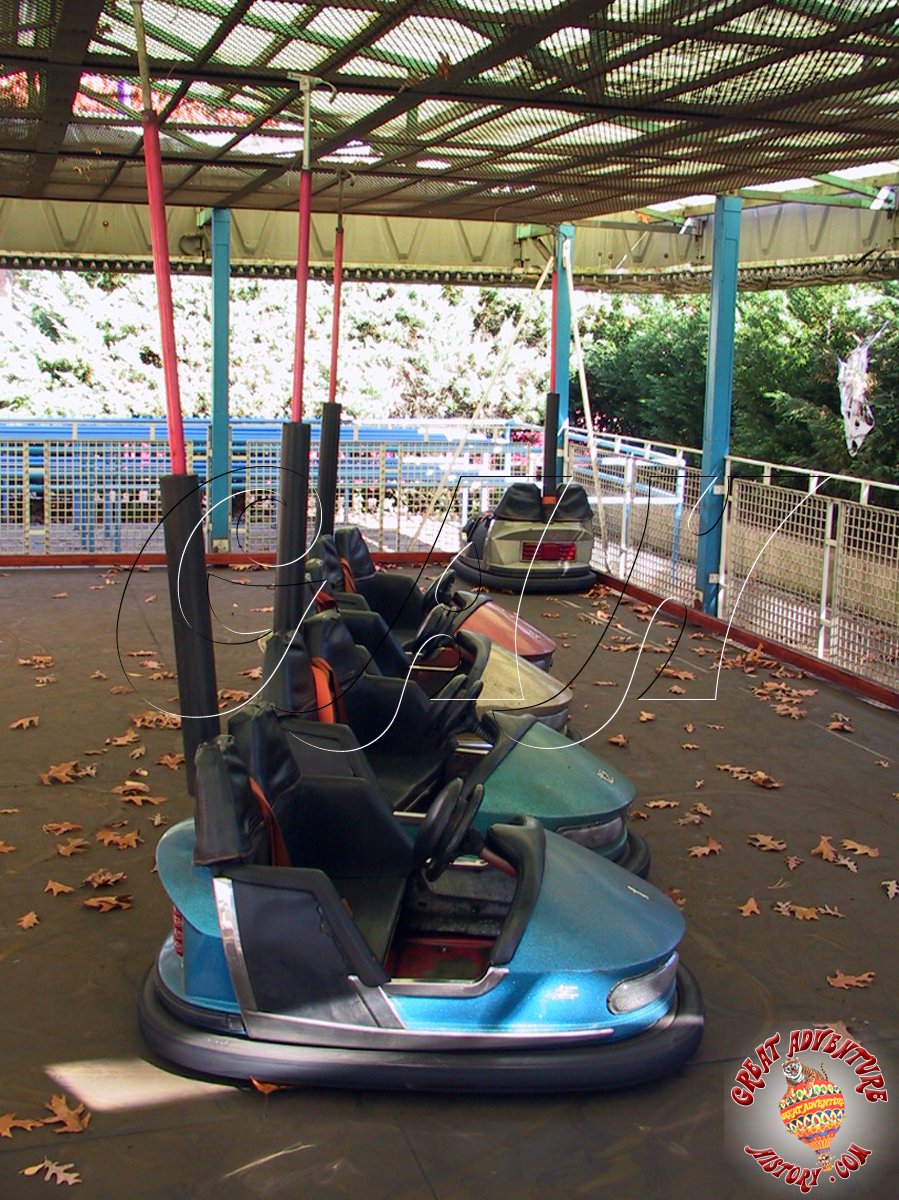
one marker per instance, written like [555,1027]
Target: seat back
[572,505]
[520,502]
[234,823]
[287,671]
[329,566]
[329,641]
[354,555]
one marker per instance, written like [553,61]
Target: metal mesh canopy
[527,110]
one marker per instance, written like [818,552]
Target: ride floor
[69,983]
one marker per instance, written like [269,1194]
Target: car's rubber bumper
[578,579]
[635,855]
[221,1054]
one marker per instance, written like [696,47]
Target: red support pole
[335,318]
[159,238]
[299,353]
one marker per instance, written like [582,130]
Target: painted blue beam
[221,279]
[561,349]
[718,397]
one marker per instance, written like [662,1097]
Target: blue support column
[718,396]
[561,349]
[220,488]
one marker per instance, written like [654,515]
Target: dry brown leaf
[5,848]
[140,799]
[151,599]
[699,783]
[881,762]
[784,908]
[550,615]
[267,1088]
[9,1121]
[637,814]
[172,761]
[71,847]
[690,818]
[99,675]
[232,695]
[840,723]
[121,841]
[702,809]
[60,773]
[140,653]
[105,904]
[677,690]
[793,862]
[860,848]
[708,725]
[791,711]
[44,680]
[764,841]
[39,661]
[689,727]
[30,722]
[647,716]
[124,739]
[825,850]
[158,819]
[56,888]
[137,752]
[129,787]
[763,780]
[54,1172]
[663,804]
[618,739]
[689,746]
[8,812]
[801,913]
[750,908]
[850,864]
[252,673]
[676,895]
[103,878]
[150,664]
[604,683]
[830,910]
[70,1120]
[892,888]
[153,719]
[851,981]
[29,920]
[674,673]
[712,846]
[58,828]
[161,675]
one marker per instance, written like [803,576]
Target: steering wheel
[441,591]
[453,706]
[442,833]
[438,623]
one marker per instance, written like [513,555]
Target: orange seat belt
[349,579]
[328,700]
[277,848]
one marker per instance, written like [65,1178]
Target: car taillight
[595,837]
[548,551]
[637,992]
[178,931]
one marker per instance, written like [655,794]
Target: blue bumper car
[318,940]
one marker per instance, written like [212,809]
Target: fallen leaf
[153,719]
[710,726]
[150,664]
[762,780]
[674,673]
[712,846]
[825,850]
[663,804]
[847,981]
[637,814]
[140,799]
[850,864]
[158,819]
[689,746]
[54,1172]
[107,903]
[5,848]
[764,841]
[124,739]
[99,675]
[775,887]
[252,673]
[689,727]
[647,716]
[129,787]
[881,762]
[29,920]
[60,773]
[72,846]
[690,818]
[793,862]
[791,711]
[37,660]
[121,689]
[121,841]
[172,761]
[550,615]
[150,599]
[677,690]
[60,595]
[784,908]
[8,812]
[618,739]
[827,910]
[892,888]
[161,675]
[26,723]
[702,809]
[9,1121]
[141,653]
[137,752]
[103,878]
[801,913]
[70,1120]
[232,695]
[750,908]
[860,849]
[840,723]
[58,828]
[677,896]
[267,1088]
[700,783]
[56,888]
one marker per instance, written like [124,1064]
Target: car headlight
[631,994]
[597,836]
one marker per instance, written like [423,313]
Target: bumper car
[530,542]
[316,940]
[340,718]
[354,579]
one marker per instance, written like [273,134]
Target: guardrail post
[218,469]
[718,398]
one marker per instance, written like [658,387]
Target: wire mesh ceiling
[514,110]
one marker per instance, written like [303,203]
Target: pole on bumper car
[180,492]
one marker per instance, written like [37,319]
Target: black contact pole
[551,444]
[191,624]
[328,452]
[292,515]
